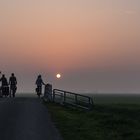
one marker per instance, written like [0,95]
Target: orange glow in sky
[73,37]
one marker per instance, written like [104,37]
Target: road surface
[25,118]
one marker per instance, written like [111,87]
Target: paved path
[25,118]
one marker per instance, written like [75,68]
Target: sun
[58,75]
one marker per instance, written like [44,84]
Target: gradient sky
[94,44]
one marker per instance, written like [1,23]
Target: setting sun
[58,76]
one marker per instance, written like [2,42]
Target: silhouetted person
[13,84]
[39,83]
[0,87]
[4,85]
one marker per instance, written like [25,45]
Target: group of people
[8,88]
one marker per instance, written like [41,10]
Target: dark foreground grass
[105,122]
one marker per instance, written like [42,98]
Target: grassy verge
[105,122]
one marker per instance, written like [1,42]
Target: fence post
[45,96]
[64,97]
[53,95]
[90,103]
[76,99]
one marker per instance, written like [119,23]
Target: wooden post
[90,103]
[76,101]
[53,95]
[64,97]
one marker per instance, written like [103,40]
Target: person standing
[4,86]
[13,85]
[0,87]
[39,83]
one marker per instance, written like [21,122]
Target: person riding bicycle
[39,83]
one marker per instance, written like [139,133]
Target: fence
[73,99]
[67,98]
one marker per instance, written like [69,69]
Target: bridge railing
[73,99]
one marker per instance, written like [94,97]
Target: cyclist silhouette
[39,83]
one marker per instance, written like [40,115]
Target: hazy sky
[94,44]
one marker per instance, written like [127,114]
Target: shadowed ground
[25,118]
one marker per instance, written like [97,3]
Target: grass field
[114,117]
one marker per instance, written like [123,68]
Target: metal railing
[73,99]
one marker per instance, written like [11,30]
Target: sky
[94,44]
